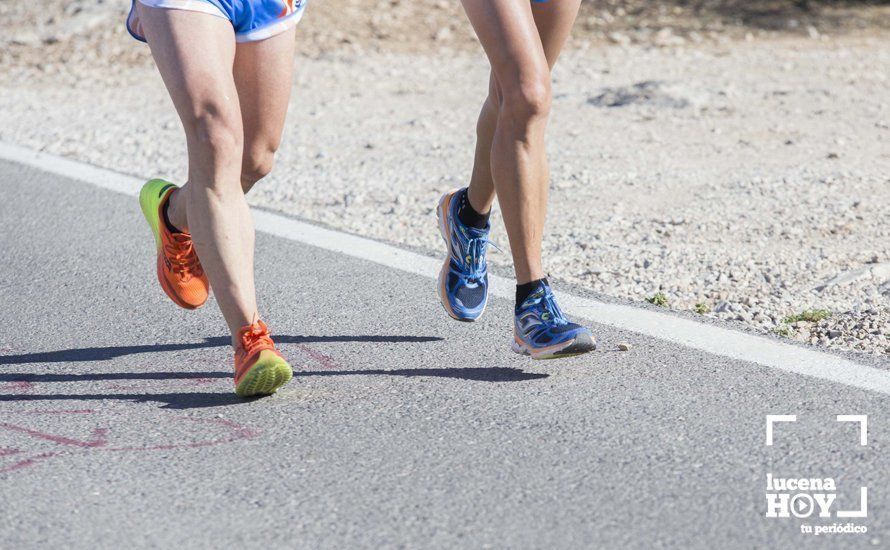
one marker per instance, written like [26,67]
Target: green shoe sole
[265,377]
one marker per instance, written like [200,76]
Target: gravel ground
[745,179]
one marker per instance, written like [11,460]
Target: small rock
[666,37]
[619,38]
[623,347]
[443,34]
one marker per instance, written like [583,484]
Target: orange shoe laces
[255,337]
[183,259]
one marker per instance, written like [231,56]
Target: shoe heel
[440,217]
[440,214]
[517,348]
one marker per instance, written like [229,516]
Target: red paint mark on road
[26,462]
[99,434]
[238,432]
[324,360]
[102,438]
[20,386]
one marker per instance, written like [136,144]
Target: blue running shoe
[542,331]
[463,280]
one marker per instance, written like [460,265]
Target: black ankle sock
[170,227]
[522,291]
[468,216]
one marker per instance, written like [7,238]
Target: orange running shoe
[179,270]
[259,368]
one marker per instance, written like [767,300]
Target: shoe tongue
[183,240]
[254,330]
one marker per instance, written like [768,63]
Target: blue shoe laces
[475,259]
[551,311]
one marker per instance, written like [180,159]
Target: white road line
[691,334]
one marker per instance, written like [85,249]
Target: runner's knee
[216,130]
[257,164]
[527,100]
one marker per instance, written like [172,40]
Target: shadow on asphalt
[97,376]
[188,400]
[493,374]
[108,353]
[197,400]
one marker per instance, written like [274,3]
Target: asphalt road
[402,428]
